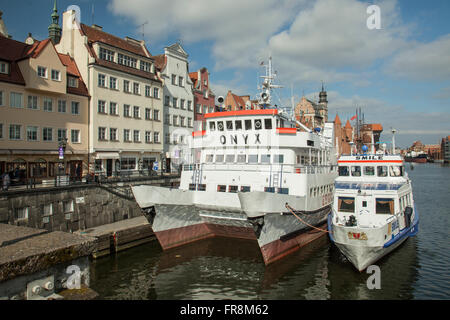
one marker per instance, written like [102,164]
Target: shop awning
[107,155]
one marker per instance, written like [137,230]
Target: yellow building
[43,106]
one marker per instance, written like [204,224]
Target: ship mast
[265,96]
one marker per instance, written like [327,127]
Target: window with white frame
[136,136]
[156,115]
[126,135]
[189,104]
[101,106]
[62,106]
[113,134]
[156,93]
[182,121]
[198,108]
[101,133]
[145,66]
[33,102]
[47,134]
[16,100]
[42,72]
[56,75]
[101,80]
[48,104]
[136,112]
[75,136]
[175,102]
[175,120]
[136,88]
[126,86]
[32,133]
[189,122]
[62,134]
[113,110]
[180,81]
[156,137]
[148,136]
[126,60]
[182,104]
[148,114]
[127,110]
[15,131]
[174,79]
[75,107]
[167,101]
[106,54]
[4,67]
[148,91]
[73,82]
[21,213]
[113,83]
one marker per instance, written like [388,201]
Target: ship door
[364,205]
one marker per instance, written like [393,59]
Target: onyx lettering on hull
[234,139]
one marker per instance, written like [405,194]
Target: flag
[353,118]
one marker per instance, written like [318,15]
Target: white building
[125,119]
[178,102]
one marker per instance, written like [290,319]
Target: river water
[222,268]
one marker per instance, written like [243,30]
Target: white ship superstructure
[373,209]
[245,167]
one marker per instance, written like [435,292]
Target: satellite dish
[265,96]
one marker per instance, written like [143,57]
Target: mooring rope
[309,225]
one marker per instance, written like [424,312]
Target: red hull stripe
[287,130]
[370,161]
[241,113]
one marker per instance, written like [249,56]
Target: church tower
[323,102]
[54,29]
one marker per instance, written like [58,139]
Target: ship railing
[285,168]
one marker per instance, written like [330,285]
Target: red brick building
[204,98]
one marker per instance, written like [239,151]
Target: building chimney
[97,27]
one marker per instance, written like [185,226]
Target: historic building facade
[312,114]
[44,107]
[125,119]
[178,100]
[204,98]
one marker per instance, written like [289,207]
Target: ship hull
[178,221]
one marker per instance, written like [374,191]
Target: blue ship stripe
[411,231]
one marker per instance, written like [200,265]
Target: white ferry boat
[373,209]
[251,169]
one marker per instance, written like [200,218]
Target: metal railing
[285,168]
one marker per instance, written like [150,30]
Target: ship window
[384,206]
[221,188]
[220,125]
[229,125]
[252,158]
[269,189]
[278,158]
[369,171]
[219,158]
[241,158]
[265,158]
[238,124]
[212,126]
[248,124]
[283,190]
[192,186]
[233,189]
[382,171]
[346,204]
[258,124]
[209,158]
[356,171]
[268,123]
[245,188]
[201,187]
[396,171]
[230,158]
[364,204]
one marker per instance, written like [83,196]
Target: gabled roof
[176,47]
[337,120]
[95,35]
[160,61]
[72,69]
[348,125]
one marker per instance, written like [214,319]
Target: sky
[398,74]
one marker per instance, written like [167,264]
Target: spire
[323,96]
[54,29]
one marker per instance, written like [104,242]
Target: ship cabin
[372,189]
[256,150]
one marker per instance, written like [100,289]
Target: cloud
[422,61]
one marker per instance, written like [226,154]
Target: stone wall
[69,208]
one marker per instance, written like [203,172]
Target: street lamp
[393,140]
[61,150]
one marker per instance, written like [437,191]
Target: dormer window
[72,82]
[106,54]
[42,72]
[145,66]
[4,67]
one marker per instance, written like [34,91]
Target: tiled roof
[376,127]
[130,70]
[13,51]
[194,78]
[160,61]
[337,120]
[95,35]
[348,125]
